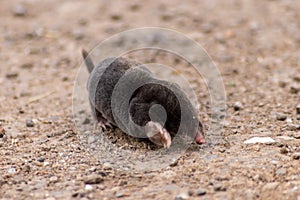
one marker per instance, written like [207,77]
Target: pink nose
[199,138]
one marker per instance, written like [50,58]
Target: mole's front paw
[158,135]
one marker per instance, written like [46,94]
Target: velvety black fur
[105,76]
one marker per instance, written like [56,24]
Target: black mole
[158,128]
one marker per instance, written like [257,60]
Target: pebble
[296,78]
[259,140]
[88,187]
[281,172]
[200,192]
[86,121]
[93,179]
[294,89]
[116,16]
[293,127]
[41,159]
[182,196]
[26,168]
[238,106]
[283,137]
[296,156]
[207,27]
[2,132]
[270,186]
[120,195]
[284,150]
[11,170]
[53,179]
[281,116]
[226,58]
[11,75]
[29,123]
[78,34]
[134,7]
[190,192]
[27,65]
[19,11]
[296,135]
[298,109]
[219,188]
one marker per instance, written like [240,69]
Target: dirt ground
[256,46]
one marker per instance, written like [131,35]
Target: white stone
[88,187]
[259,140]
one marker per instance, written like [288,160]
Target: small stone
[174,163]
[238,106]
[88,187]
[226,58]
[82,21]
[294,89]
[284,150]
[296,135]
[39,164]
[11,170]
[296,78]
[270,186]
[29,123]
[78,34]
[107,165]
[93,179]
[26,169]
[134,7]
[283,84]
[53,179]
[11,75]
[298,109]
[190,192]
[120,195]
[219,188]
[200,192]
[27,65]
[116,16]
[259,140]
[283,137]
[2,132]
[281,172]
[182,196]
[41,159]
[86,121]
[220,38]
[293,127]
[19,11]
[207,27]
[281,116]
[296,156]
[65,78]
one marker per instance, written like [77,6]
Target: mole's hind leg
[102,121]
[99,119]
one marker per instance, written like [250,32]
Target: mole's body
[159,128]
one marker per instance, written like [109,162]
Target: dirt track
[255,45]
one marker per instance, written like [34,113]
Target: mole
[160,107]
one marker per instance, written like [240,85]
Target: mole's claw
[102,125]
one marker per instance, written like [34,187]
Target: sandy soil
[256,46]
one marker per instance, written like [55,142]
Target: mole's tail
[87,60]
